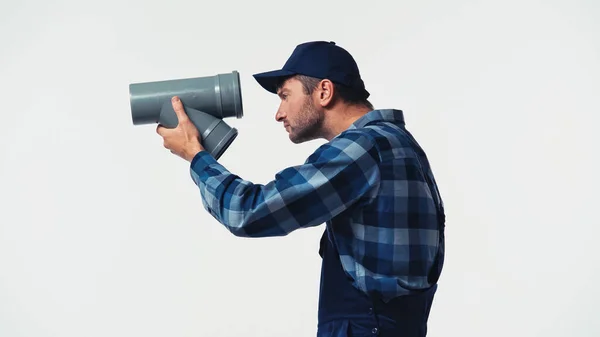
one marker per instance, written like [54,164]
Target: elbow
[256,229]
[238,232]
[255,223]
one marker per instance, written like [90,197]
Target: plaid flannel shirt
[371,185]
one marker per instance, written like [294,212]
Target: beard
[309,123]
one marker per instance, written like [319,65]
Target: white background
[102,231]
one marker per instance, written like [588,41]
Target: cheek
[290,108]
[297,105]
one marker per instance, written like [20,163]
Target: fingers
[178,107]
[160,130]
[164,131]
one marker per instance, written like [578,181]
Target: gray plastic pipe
[207,100]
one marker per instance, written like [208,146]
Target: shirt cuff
[202,160]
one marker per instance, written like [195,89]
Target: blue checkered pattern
[371,185]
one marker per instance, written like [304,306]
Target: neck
[340,118]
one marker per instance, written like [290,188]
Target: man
[383,247]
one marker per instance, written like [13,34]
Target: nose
[279,116]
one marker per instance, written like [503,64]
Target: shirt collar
[389,115]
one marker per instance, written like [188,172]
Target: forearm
[244,208]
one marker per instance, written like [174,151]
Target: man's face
[301,117]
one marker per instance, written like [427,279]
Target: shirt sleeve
[336,176]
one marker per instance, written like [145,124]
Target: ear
[325,91]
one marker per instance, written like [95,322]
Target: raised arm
[337,175]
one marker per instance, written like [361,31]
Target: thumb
[179,110]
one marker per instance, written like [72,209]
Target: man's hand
[184,140]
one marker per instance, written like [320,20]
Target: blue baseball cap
[320,59]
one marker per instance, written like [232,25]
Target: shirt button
[374,331]
[370,310]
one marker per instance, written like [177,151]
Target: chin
[294,140]
[299,140]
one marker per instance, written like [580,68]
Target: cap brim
[269,79]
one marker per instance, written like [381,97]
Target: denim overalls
[345,311]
